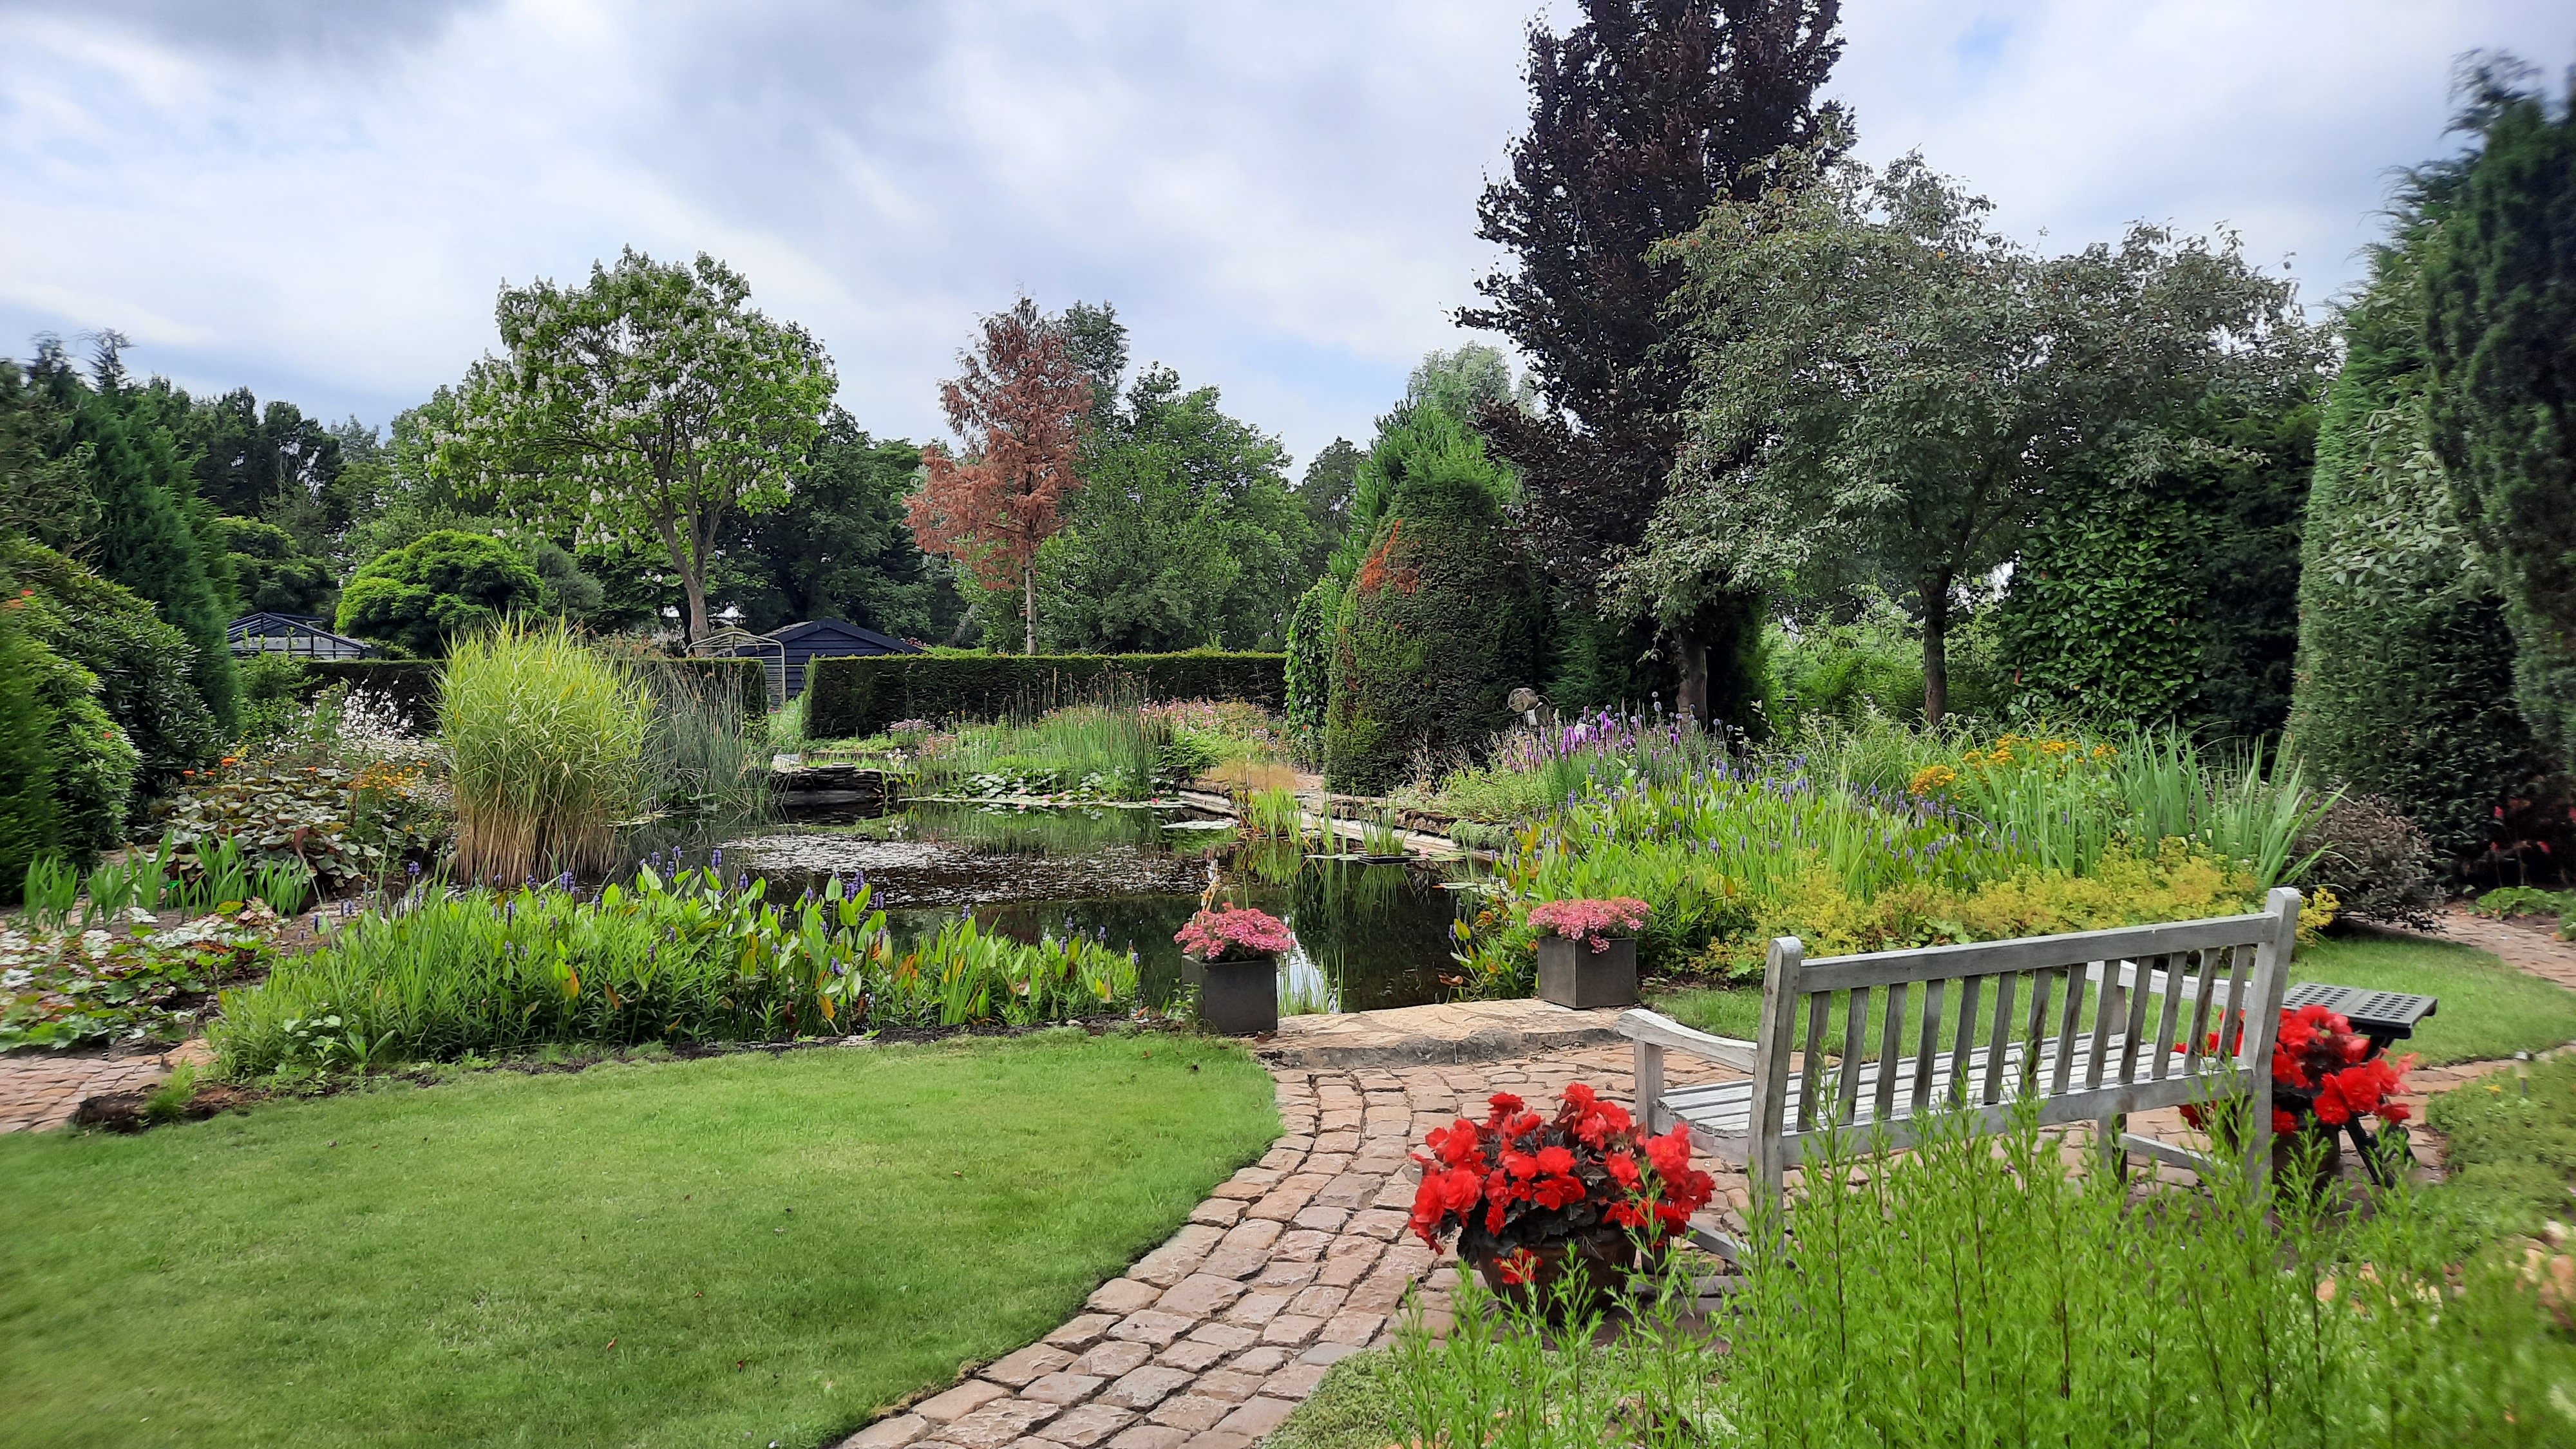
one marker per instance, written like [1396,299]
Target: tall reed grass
[1971,1294]
[545,741]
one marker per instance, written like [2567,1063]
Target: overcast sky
[319,199]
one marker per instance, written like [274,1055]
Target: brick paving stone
[1291,1329]
[1257,1308]
[1064,1388]
[1123,1296]
[1268,1358]
[1336,1142]
[891,1433]
[1239,1189]
[1199,1295]
[1194,1355]
[1226,1336]
[1352,1328]
[1113,1358]
[1145,1387]
[1322,1219]
[1258,1417]
[1084,1426]
[1348,1190]
[1289,1276]
[960,1401]
[998,1424]
[1231,1385]
[1382,1223]
[1152,1326]
[1190,1411]
[1348,1261]
[1328,1354]
[1219,1439]
[1151,1436]
[1280,1204]
[1328,1165]
[1220,1212]
[1302,1246]
[1082,1330]
[1294,1382]
[1256,1236]
[1235,1262]
[1033,1362]
[1317,1302]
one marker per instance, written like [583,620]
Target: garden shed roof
[301,635]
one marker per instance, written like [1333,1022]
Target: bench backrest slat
[2082,1039]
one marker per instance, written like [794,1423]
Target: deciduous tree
[1883,380]
[645,409]
[1019,405]
[1641,115]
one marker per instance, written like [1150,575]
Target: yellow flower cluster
[1932,779]
[391,777]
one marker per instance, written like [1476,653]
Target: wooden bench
[2085,1023]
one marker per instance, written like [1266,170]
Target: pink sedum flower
[1234,933]
[1593,922]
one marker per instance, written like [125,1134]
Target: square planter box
[1573,974]
[1237,998]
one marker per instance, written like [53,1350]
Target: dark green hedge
[862,695]
[413,683]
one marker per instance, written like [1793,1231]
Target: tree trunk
[1934,591]
[695,583]
[1693,647]
[1029,605]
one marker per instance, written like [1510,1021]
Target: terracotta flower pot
[1595,1268]
[1239,997]
[1571,973]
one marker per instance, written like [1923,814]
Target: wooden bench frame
[2099,1073]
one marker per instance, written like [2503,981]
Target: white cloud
[319,200]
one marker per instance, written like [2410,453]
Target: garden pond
[1368,935]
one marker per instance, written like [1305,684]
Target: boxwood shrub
[861,695]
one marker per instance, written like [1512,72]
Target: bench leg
[2115,1158]
[1650,1082]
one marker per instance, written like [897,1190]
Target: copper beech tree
[1018,405]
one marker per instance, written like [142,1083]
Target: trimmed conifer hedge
[861,695]
[412,684]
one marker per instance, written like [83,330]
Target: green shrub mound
[861,695]
[27,825]
[447,582]
[142,665]
[1437,628]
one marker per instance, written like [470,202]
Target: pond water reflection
[1368,936]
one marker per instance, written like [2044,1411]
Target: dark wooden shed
[829,639]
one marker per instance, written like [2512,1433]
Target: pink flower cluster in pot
[1233,933]
[1592,922]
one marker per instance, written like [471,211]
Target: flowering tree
[1019,406]
[641,409]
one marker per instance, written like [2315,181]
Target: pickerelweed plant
[687,959]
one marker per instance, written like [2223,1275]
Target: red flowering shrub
[1517,1181]
[1233,933]
[1589,921]
[2322,1067]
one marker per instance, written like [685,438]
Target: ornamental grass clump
[545,743]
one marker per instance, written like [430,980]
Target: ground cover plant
[2509,1147]
[1115,747]
[2489,1009]
[73,987]
[690,959]
[762,1245]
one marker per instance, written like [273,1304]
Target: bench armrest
[1657,1029]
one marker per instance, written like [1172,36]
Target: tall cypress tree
[146,544]
[1640,116]
[2404,682]
[2500,332]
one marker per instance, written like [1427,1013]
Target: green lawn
[2489,1009]
[724,1252]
